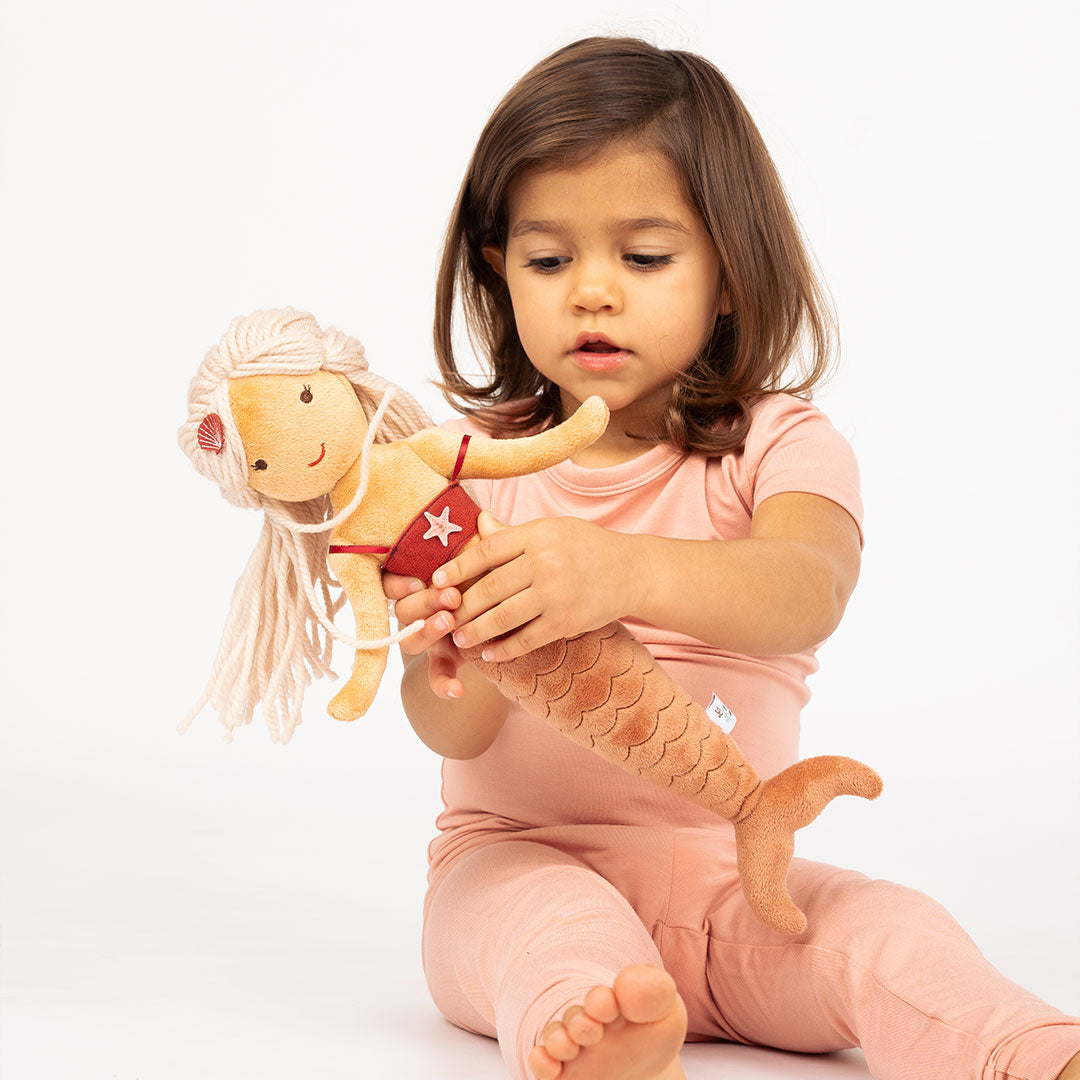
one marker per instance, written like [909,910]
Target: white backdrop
[174,907]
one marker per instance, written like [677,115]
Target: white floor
[106,1010]
[173,909]
[161,935]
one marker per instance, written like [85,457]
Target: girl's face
[614,281]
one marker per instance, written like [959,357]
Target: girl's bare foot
[629,1031]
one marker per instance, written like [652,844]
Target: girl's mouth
[594,351]
[599,356]
[322,454]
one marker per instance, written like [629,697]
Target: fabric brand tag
[717,711]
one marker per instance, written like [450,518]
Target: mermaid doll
[352,479]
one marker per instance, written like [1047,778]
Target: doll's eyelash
[551,264]
[260,464]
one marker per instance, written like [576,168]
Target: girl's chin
[619,400]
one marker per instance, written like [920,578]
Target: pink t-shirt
[531,776]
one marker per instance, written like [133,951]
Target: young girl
[622,231]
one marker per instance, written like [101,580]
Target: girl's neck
[603,454]
[616,446]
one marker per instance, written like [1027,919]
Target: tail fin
[765,839]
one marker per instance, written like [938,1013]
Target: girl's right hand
[435,607]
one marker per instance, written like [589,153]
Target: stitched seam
[663,925]
[617,487]
[858,967]
[999,1049]
[663,920]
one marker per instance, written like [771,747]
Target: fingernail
[444,622]
[459,639]
[439,577]
[415,586]
[488,654]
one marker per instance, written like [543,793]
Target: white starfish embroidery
[441,526]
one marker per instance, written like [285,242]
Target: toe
[601,1005]
[558,1043]
[583,1029]
[644,993]
[543,1065]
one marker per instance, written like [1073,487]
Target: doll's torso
[399,485]
[391,520]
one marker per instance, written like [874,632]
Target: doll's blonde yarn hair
[279,632]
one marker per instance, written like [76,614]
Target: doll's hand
[538,582]
[435,606]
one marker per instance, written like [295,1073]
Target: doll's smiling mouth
[322,454]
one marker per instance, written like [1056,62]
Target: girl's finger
[442,674]
[494,550]
[433,630]
[487,523]
[534,635]
[521,608]
[398,586]
[493,588]
[426,603]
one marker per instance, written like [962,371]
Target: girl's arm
[464,728]
[782,590]
[455,712]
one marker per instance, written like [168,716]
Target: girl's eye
[550,264]
[648,262]
[260,464]
[547,264]
[305,396]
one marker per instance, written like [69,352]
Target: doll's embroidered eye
[260,464]
[306,395]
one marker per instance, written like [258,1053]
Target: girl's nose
[594,289]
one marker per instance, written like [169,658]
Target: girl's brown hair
[572,106]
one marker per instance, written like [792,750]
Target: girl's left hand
[547,579]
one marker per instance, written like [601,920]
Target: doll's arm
[361,578]
[495,459]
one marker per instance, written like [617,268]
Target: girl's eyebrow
[545,225]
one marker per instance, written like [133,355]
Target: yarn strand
[279,632]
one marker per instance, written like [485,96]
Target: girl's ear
[495,257]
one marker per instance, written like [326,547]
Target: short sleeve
[793,446]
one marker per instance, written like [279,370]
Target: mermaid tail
[604,690]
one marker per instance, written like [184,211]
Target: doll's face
[301,433]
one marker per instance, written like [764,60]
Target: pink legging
[518,930]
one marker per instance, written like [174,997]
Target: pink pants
[520,929]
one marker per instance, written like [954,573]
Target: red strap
[460,457]
[371,549]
